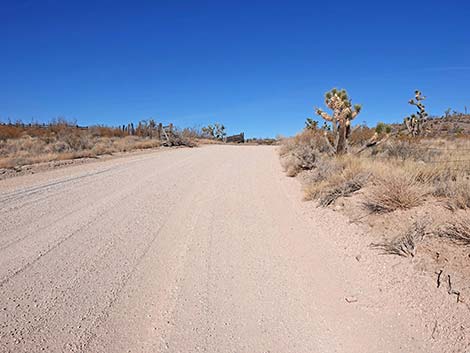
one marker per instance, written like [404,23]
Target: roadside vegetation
[408,184]
[27,144]
[24,144]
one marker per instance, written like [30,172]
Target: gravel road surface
[187,250]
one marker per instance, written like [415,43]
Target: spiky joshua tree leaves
[216,131]
[414,122]
[311,124]
[343,113]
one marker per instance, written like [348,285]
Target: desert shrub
[361,135]
[302,151]
[324,168]
[10,132]
[382,128]
[395,191]
[334,178]
[59,147]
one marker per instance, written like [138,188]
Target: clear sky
[256,66]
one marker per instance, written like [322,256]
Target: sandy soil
[202,250]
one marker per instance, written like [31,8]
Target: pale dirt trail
[189,250]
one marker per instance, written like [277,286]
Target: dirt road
[188,250]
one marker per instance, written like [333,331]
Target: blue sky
[256,66]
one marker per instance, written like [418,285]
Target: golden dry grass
[402,172]
[30,150]
[395,190]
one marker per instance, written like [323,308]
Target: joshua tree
[220,131]
[415,122]
[216,131]
[311,124]
[326,127]
[343,112]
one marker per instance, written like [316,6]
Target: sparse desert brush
[301,152]
[396,190]
[64,142]
[325,168]
[22,144]
[335,178]
[403,245]
[455,191]
[404,170]
[360,135]
[298,156]
[457,231]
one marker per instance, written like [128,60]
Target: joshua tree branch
[324,115]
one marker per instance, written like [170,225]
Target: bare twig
[434,330]
[373,142]
[450,290]
[405,245]
[439,278]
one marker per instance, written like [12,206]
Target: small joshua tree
[343,113]
[311,124]
[414,122]
[220,131]
[216,131]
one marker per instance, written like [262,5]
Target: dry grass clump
[344,189]
[395,191]
[404,245]
[458,231]
[335,178]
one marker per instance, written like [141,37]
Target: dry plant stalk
[458,231]
[404,245]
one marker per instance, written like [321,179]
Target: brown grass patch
[393,192]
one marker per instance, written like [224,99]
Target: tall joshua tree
[343,113]
[414,122]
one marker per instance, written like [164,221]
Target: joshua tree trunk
[341,147]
